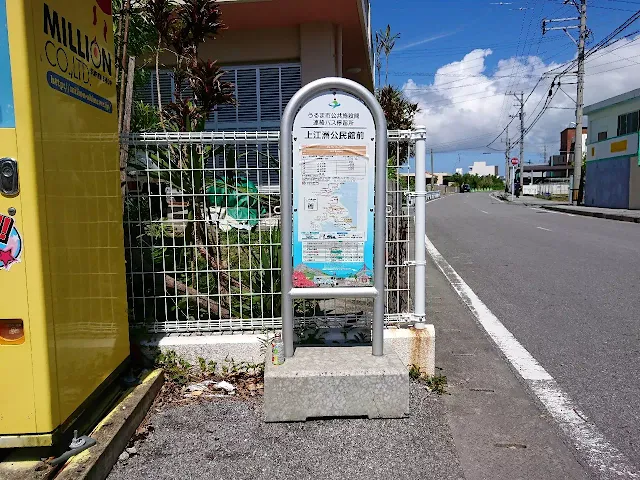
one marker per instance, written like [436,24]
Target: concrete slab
[336,382]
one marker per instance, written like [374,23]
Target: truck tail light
[11,332]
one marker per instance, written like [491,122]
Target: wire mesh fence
[202,235]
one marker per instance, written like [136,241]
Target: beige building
[438,178]
[270,48]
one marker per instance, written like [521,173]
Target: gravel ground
[227,439]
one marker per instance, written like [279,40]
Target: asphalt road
[566,287]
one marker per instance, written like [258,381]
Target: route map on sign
[334,183]
[333,173]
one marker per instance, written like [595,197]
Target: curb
[584,213]
[114,432]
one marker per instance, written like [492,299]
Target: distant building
[613,172]
[482,169]
[459,171]
[568,144]
[439,177]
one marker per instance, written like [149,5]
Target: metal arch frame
[305,94]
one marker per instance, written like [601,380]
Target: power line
[605,42]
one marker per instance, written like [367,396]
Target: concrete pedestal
[336,382]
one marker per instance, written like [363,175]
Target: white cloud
[465,105]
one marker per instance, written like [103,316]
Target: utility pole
[507,160]
[581,6]
[520,99]
[432,174]
[521,114]
[577,156]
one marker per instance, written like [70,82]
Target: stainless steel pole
[286,222]
[419,135]
[303,95]
[380,215]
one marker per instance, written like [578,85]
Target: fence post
[420,136]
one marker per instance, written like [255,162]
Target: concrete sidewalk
[499,429]
[487,426]
[227,439]
[619,214]
[528,201]
[608,213]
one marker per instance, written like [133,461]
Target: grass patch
[434,383]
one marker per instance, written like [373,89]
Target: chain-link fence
[202,234]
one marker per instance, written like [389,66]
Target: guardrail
[433,195]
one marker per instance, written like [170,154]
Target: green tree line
[477,182]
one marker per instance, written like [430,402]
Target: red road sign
[514,161]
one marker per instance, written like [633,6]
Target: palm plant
[181,27]
[385,41]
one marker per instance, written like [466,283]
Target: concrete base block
[240,348]
[336,382]
[414,346]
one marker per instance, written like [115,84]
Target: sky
[458,58]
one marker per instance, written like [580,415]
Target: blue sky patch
[7,116]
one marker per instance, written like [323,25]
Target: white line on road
[484,212]
[545,229]
[599,454]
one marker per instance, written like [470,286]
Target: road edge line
[590,444]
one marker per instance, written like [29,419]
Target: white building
[482,169]
[459,171]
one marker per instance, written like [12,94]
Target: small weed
[203,364]
[414,372]
[436,383]
[211,367]
[176,369]
[246,376]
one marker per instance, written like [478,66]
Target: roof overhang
[610,102]
[352,15]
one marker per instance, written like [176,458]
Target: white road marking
[484,212]
[598,453]
[545,229]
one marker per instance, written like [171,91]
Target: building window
[261,92]
[602,136]
[628,123]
